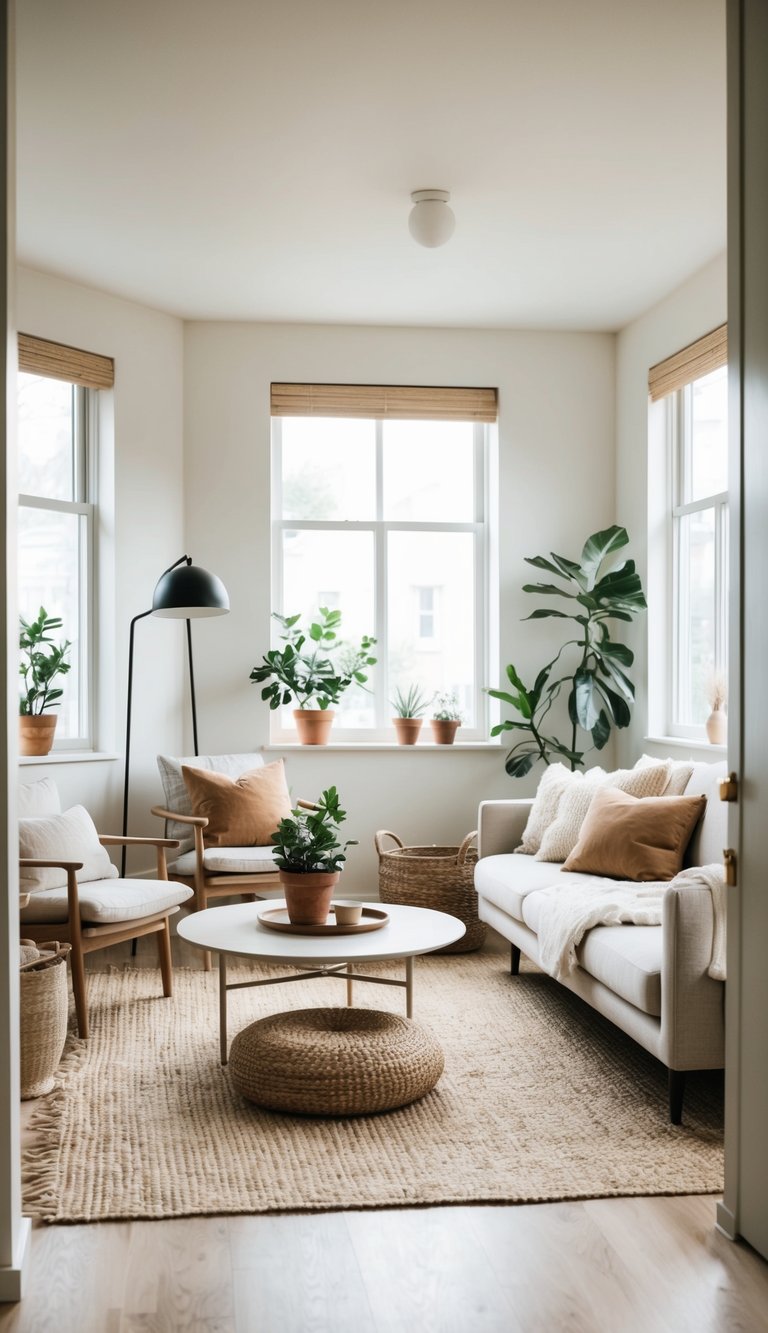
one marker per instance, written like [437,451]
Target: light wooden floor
[602,1266]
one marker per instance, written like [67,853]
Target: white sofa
[651,981]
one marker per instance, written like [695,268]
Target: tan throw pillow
[561,837]
[642,839]
[553,784]
[68,837]
[241,812]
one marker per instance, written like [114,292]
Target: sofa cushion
[229,861]
[711,836]
[70,836]
[553,783]
[241,812]
[506,880]
[106,901]
[561,836]
[640,840]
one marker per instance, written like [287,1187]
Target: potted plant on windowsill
[304,671]
[310,856]
[410,705]
[446,718]
[42,661]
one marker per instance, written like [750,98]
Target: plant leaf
[517,765]
[597,547]
[548,590]
[601,731]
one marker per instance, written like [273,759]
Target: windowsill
[687,743]
[421,747]
[69,757]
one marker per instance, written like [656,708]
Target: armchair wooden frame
[86,939]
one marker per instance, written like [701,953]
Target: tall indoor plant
[310,856]
[599,690]
[42,662]
[305,671]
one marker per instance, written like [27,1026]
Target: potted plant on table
[410,705]
[42,661]
[310,856]
[304,671]
[446,718]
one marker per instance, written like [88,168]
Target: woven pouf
[334,1061]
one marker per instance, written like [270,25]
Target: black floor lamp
[183,592]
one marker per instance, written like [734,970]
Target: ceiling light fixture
[431,221]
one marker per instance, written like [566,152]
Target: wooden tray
[277,919]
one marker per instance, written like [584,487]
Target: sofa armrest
[500,825]
[692,1003]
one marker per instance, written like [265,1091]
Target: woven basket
[438,877]
[44,1006]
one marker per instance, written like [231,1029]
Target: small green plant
[304,670]
[410,702]
[445,708]
[600,692]
[307,839]
[42,661]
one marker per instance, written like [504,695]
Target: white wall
[142,532]
[685,314]
[556,485]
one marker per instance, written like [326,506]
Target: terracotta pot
[308,896]
[313,725]
[407,729]
[717,727]
[36,732]
[443,731]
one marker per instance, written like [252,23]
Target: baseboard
[13,1278]
[725,1222]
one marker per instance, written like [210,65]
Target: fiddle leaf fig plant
[304,669]
[42,661]
[600,692]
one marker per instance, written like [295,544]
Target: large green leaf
[601,731]
[615,673]
[597,547]
[569,569]
[616,707]
[619,652]
[548,590]
[543,614]
[517,765]
[587,704]
[621,587]
[540,562]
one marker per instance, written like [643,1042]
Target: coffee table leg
[223,1006]
[409,988]
[349,987]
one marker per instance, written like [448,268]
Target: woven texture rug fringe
[541,1099]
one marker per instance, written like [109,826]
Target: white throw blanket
[572,910]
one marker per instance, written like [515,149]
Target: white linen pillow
[39,798]
[553,784]
[678,778]
[176,794]
[561,836]
[70,836]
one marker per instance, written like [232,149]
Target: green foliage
[445,708]
[304,669]
[307,839]
[42,661]
[411,702]
[599,690]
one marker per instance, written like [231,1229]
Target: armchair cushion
[39,798]
[241,812]
[229,861]
[104,902]
[70,836]
[174,787]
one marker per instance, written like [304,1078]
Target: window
[56,565]
[390,513]
[696,429]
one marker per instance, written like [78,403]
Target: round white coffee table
[236,930]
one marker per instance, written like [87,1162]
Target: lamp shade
[431,221]
[189,591]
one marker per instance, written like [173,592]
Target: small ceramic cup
[347,913]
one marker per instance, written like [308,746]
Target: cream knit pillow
[679,777]
[561,837]
[553,784]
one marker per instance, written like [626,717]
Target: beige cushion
[241,812]
[640,840]
[711,835]
[552,785]
[561,837]
[175,793]
[229,861]
[71,836]
[39,798]
[106,901]
[680,772]
[509,879]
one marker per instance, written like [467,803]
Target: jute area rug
[540,1099]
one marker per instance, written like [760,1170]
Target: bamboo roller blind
[706,354]
[38,356]
[397,402]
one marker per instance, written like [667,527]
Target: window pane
[429,471]
[329,468]
[708,403]
[45,431]
[697,615]
[333,569]
[49,576]
[431,640]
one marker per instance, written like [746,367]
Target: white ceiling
[253,159]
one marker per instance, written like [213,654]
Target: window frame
[84,487]
[380,528]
